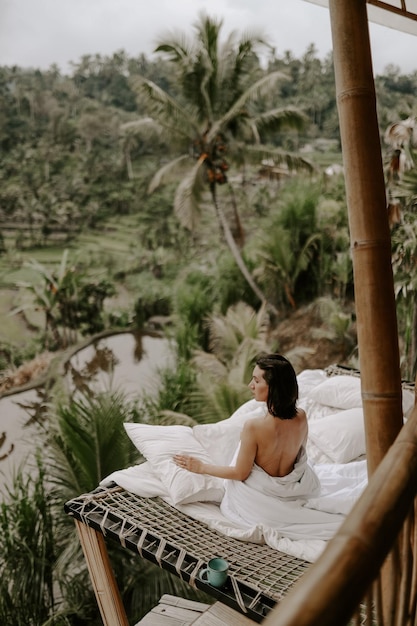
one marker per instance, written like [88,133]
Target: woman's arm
[239,471]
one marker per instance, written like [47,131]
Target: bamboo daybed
[384,518]
[260,576]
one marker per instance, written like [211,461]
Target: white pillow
[340,392]
[344,392]
[158,444]
[408,401]
[308,379]
[340,436]
[221,439]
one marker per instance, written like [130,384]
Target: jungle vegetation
[202,186]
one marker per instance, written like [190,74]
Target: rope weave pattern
[184,545]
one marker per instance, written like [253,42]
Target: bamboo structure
[101,574]
[331,589]
[355,556]
[369,229]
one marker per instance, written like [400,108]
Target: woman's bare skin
[270,442]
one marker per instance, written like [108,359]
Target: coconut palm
[216,118]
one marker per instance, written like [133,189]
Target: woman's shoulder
[301,414]
[254,423]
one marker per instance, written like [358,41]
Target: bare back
[278,442]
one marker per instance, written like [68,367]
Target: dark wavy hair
[282,385]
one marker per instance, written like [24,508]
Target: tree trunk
[236,253]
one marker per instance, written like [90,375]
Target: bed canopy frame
[378,540]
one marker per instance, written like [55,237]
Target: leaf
[160,176]
[279,157]
[187,196]
[237,109]
[169,113]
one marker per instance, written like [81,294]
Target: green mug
[215,573]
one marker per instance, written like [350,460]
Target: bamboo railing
[344,585]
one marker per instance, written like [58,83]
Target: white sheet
[300,526]
[281,503]
[299,534]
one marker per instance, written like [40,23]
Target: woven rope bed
[259,575]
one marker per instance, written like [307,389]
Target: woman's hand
[189,463]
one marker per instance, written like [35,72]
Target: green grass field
[105,247]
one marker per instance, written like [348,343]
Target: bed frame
[259,575]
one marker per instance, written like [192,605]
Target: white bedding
[298,526]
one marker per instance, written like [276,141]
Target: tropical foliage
[218,117]
[70,302]
[219,122]
[28,594]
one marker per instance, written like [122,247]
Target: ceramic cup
[215,573]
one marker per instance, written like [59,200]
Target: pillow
[340,392]
[344,392]
[220,440]
[340,436]
[139,479]
[158,444]
[308,379]
[314,455]
[315,410]
[408,401]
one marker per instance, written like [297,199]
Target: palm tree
[222,373]
[282,261]
[217,113]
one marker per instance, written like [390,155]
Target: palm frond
[257,89]
[235,69]
[169,113]
[168,418]
[297,356]
[160,176]
[276,119]
[87,441]
[306,253]
[280,157]
[209,364]
[187,195]
[177,48]
[141,124]
[231,334]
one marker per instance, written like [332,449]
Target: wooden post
[370,241]
[369,230]
[102,577]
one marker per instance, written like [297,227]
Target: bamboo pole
[328,593]
[102,577]
[329,599]
[370,242]
[369,229]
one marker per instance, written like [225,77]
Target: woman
[269,481]
[272,442]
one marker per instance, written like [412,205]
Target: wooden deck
[174,611]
